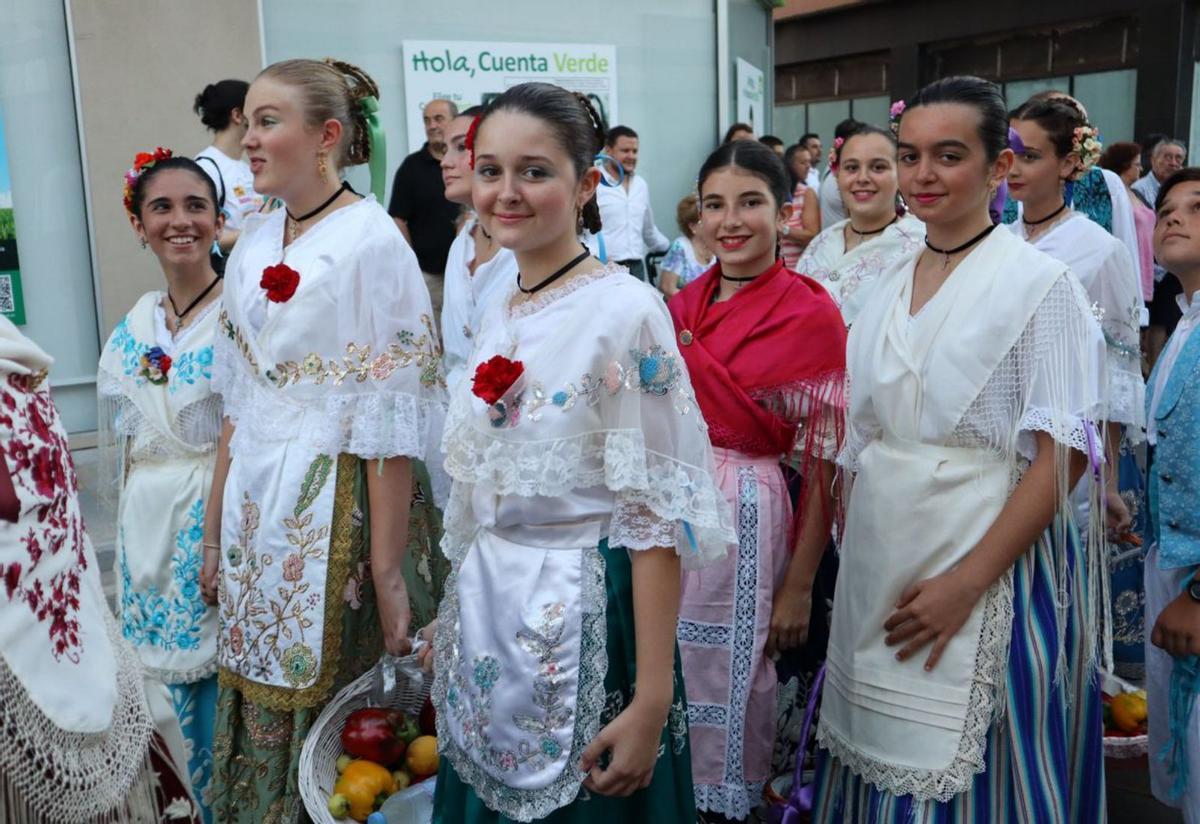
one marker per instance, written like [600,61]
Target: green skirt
[668,800]
[256,750]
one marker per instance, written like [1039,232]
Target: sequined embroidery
[653,371]
[543,642]
[361,364]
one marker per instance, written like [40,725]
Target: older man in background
[419,203]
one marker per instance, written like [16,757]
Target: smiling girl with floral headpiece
[159,422]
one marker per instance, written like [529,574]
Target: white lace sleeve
[1117,302]
[1060,360]
[630,425]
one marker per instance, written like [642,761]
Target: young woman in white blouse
[583,477]
[330,370]
[477,267]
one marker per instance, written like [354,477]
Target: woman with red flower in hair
[319,526]
[159,425]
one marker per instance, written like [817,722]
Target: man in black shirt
[419,203]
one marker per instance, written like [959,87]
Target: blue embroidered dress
[161,422]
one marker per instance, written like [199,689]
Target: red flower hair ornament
[141,162]
[280,281]
[470,141]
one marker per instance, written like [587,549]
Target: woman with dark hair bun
[961,683]
[1055,145]
[583,480]
[766,351]
[220,109]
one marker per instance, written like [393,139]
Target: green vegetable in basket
[339,805]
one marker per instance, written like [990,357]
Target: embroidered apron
[163,499]
[522,663]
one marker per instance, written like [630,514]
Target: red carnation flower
[280,281]
[494,377]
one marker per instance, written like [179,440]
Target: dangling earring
[579,221]
[142,242]
[322,169]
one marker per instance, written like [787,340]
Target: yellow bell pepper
[362,783]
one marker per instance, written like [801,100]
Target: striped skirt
[1044,760]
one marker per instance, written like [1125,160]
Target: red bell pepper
[378,735]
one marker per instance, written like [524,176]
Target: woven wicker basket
[1133,746]
[318,757]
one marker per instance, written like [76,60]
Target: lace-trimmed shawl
[848,277]
[1048,379]
[611,407]
[100,776]
[1109,276]
[140,421]
[351,362]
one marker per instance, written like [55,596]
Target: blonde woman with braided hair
[330,371]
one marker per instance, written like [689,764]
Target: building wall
[140,65]
[666,63]
[904,43]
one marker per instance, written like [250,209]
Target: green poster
[12,303]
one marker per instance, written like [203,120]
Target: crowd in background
[612,481]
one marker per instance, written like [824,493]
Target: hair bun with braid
[573,120]
[361,85]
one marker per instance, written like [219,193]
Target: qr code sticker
[8,302]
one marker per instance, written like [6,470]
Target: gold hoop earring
[322,169]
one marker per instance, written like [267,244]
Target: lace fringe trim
[615,458]
[518,804]
[48,775]
[551,295]
[986,706]
[187,676]
[734,801]
[369,425]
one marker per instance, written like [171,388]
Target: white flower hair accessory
[1087,145]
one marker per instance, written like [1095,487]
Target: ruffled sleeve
[668,496]
[391,400]
[614,410]
[1060,360]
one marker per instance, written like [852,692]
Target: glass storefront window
[38,104]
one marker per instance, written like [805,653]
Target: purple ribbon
[1015,142]
[800,799]
[1094,457]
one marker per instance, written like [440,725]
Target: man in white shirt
[812,142]
[627,222]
